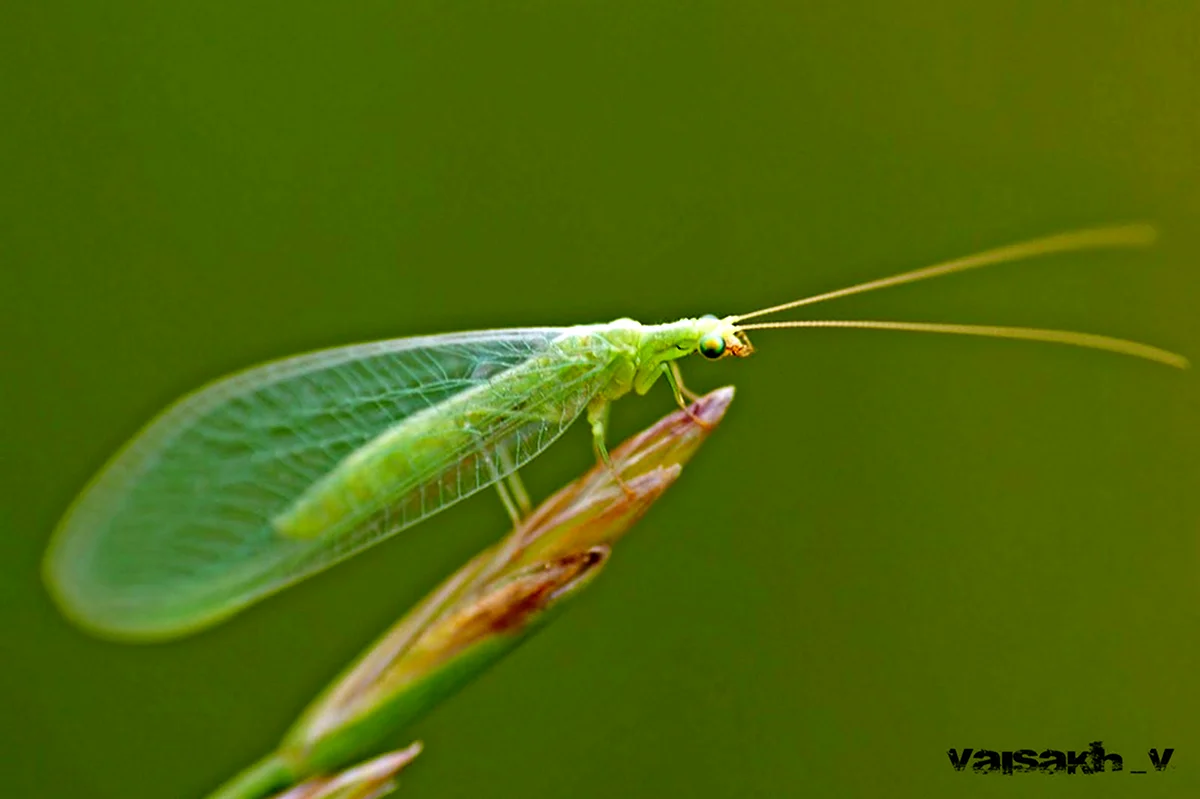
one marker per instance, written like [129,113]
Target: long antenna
[1088,340]
[1135,235]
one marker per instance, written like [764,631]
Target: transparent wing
[177,531]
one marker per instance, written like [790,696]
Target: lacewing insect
[267,476]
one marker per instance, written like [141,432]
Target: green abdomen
[443,453]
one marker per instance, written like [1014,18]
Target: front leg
[675,381]
[677,374]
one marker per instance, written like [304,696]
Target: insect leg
[498,480]
[515,485]
[513,511]
[675,381]
[597,416]
[677,374]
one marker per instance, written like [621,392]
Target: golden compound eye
[712,346]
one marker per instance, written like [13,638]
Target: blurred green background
[894,545]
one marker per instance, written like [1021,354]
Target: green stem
[266,777]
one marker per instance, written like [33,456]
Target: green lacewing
[272,474]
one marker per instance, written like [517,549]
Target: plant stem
[266,777]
